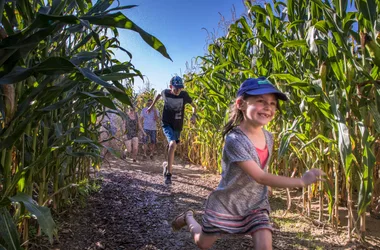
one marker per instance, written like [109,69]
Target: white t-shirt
[149,122]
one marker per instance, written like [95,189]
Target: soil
[133,210]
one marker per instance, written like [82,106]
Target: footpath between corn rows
[133,210]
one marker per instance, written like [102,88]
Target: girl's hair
[236,116]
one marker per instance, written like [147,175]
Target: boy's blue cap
[260,86]
[177,82]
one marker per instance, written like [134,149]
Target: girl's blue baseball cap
[260,86]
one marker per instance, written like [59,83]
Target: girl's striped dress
[239,205]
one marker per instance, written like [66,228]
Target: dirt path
[133,210]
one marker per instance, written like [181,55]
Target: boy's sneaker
[168,178]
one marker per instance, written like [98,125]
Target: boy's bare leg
[171,150]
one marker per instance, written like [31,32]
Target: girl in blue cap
[239,205]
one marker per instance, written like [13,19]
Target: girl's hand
[312,176]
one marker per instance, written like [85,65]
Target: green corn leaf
[287,77]
[82,5]
[335,61]
[324,108]
[57,7]
[258,9]
[116,76]
[318,137]
[368,162]
[344,141]
[17,75]
[107,102]
[58,129]
[51,66]
[119,20]
[54,66]
[43,214]
[121,8]
[100,6]
[348,21]
[373,109]
[11,17]
[246,27]
[367,13]
[84,56]
[341,6]
[322,26]
[116,68]
[8,231]
[294,43]
[59,104]
[121,96]
[85,153]
[284,145]
[83,139]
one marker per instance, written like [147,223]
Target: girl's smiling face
[259,110]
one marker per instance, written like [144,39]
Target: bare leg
[151,148]
[171,150]
[128,146]
[135,145]
[262,239]
[202,240]
[145,146]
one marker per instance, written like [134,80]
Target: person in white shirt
[149,121]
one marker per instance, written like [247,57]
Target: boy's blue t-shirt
[174,107]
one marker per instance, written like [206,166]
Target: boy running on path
[175,100]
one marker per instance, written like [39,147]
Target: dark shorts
[171,134]
[151,136]
[131,134]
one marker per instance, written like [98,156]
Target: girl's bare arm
[264,178]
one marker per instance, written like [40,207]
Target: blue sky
[178,24]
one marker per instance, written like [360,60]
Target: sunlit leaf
[43,214]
